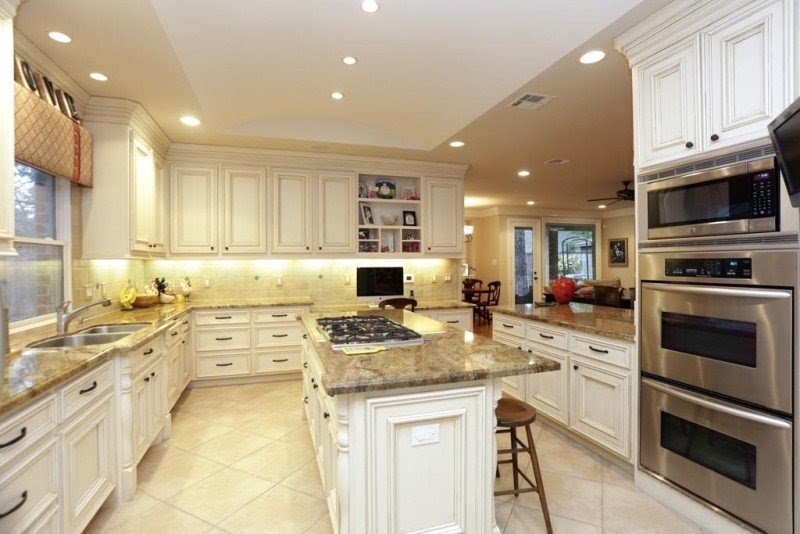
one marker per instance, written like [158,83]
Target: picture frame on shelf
[366,214]
[409,218]
[617,250]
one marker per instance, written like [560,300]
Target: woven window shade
[49,140]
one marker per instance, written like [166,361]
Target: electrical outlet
[433,278]
[347,279]
[206,283]
[88,292]
[279,282]
[448,277]
[424,435]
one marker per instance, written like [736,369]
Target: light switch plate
[424,435]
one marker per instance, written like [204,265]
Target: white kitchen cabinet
[143,183]
[669,103]
[744,65]
[88,464]
[336,212]
[548,392]
[460,318]
[158,232]
[291,212]
[149,407]
[175,374]
[193,209]
[512,385]
[600,405]
[29,485]
[244,214]
[140,416]
[444,215]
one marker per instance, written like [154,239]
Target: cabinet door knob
[147,379]
[326,415]
[689,144]
[575,367]
[226,248]
[715,137]
[212,248]
[308,248]
[153,373]
[320,248]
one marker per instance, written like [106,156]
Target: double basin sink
[96,335]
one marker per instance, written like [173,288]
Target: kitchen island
[404,438]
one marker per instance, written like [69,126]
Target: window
[570,251]
[35,280]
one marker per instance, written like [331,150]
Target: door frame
[536,224]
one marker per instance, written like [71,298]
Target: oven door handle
[717,406]
[720,291]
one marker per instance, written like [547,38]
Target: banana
[126,297]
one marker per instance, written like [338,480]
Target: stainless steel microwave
[738,199]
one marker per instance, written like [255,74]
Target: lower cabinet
[29,486]
[548,392]
[150,406]
[460,318]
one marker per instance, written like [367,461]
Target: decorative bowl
[388,220]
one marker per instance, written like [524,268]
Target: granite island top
[447,355]
[601,320]
[30,374]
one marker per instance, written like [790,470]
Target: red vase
[563,290]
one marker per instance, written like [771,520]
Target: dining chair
[493,298]
[398,303]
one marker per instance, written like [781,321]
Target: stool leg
[537,473]
[514,462]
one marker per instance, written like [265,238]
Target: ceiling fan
[622,194]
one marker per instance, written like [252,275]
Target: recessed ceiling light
[530,203]
[524,173]
[369,6]
[349,60]
[457,144]
[337,95]
[99,76]
[592,56]
[188,120]
[60,37]
[602,206]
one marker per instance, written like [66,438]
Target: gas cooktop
[366,330]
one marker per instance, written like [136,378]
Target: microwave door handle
[720,291]
[717,406]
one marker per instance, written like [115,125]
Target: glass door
[524,267]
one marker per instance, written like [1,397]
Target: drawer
[176,334]
[547,336]
[22,430]
[277,315]
[28,490]
[507,325]
[86,389]
[278,334]
[221,317]
[217,339]
[511,341]
[277,361]
[142,355]
[458,320]
[601,350]
[213,366]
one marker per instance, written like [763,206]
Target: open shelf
[393,240]
[389,201]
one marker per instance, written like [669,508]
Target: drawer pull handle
[305,336]
[315,386]
[148,352]
[153,373]
[453,322]
[18,505]
[90,388]
[601,351]
[281,360]
[175,334]
[280,335]
[508,325]
[326,415]
[305,400]
[279,315]
[305,365]
[575,367]
[223,317]
[223,338]
[546,336]
[225,364]
[22,434]
[185,322]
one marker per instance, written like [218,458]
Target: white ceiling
[260,73]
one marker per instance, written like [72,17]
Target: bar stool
[512,414]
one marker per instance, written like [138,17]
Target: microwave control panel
[709,267]
[763,194]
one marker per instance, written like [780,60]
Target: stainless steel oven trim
[720,291]
[719,406]
[739,226]
[697,177]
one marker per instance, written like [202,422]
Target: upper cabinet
[712,80]
[336,212]
[444,215]
[147,200]
[290,212]
[244,213]
[193,209]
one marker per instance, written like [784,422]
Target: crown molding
[132,114]
[190,153]
[8,8]
[42,63]
[535,213]
[625,212]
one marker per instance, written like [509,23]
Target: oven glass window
[720,200]
[719,339]
[728,456]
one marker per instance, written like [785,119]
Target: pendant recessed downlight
[349,60]
[369,6]
[592,56]
[524,173]
[188,120]
[457,144]
[337,95]
[530,203]
[99,76]
[602,206]
[60,37]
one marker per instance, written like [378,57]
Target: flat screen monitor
[785,134]
[378,283]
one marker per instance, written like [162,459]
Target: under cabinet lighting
[60,37]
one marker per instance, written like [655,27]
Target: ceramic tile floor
[240,459]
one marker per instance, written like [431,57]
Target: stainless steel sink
[79,340]
[115,328]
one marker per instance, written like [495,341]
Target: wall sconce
[468,231]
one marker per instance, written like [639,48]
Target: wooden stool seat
[512,414]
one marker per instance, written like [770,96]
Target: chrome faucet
[64,316]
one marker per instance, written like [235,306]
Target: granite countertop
[448,355]
[421,306]
[601,320]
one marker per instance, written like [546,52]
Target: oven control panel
[709,267]
[764,194]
